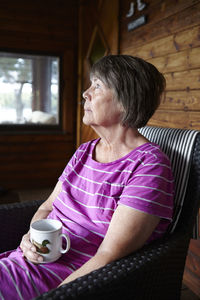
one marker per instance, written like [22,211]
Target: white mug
[46,235]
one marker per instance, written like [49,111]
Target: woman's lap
[21,279]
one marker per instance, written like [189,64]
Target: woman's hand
[29,250]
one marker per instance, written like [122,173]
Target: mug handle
[66,237]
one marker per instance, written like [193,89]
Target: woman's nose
[86,95]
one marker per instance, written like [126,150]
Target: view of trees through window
[29,89]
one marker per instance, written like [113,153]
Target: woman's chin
[86,121]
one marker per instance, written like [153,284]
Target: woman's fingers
[33,256]
[29,250]
[26,243]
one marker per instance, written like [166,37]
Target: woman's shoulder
[148,157]
[86,148]
[151,151]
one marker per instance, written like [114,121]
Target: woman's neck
[116,144]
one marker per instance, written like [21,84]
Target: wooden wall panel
[176,119]
[181,15]
[180,61]
[185,39]
[192,269]
[103,16]
[185,80]
[171,41]
[181,100]
[36,160]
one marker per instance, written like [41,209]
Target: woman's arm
[128,231]
[29,250]
[46,207]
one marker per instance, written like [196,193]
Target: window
[29,89]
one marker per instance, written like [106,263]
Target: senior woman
[116,192]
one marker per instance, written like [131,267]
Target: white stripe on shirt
[17,288]
[28,275]
[146,200]
[52,272]
[80,252]
[88,193]
[151,188]
[78,236]
[153,175]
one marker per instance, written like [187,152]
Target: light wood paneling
[175,51]
[185,14]
[185,80]
[182,40]
[181,100]
[176,119]
[183,60]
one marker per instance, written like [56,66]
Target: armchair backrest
[182,146]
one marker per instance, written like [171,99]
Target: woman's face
[101,107]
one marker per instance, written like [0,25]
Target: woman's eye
[97,85]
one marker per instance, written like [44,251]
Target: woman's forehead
[95,76]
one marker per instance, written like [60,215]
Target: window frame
[9,129]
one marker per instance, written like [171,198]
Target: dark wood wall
[170,40]
[36,160]
[102,21]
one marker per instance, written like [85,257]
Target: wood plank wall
[104,20]
[171,41]
[36,160]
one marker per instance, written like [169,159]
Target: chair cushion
[177,144]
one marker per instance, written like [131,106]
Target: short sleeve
[150,188]
[72,162]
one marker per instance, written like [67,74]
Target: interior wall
[102,22]
[170,40]
[36,160]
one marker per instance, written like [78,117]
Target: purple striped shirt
[91,191]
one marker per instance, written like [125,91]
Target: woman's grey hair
[137,84]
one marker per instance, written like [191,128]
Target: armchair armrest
[150,271]
[14,222]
